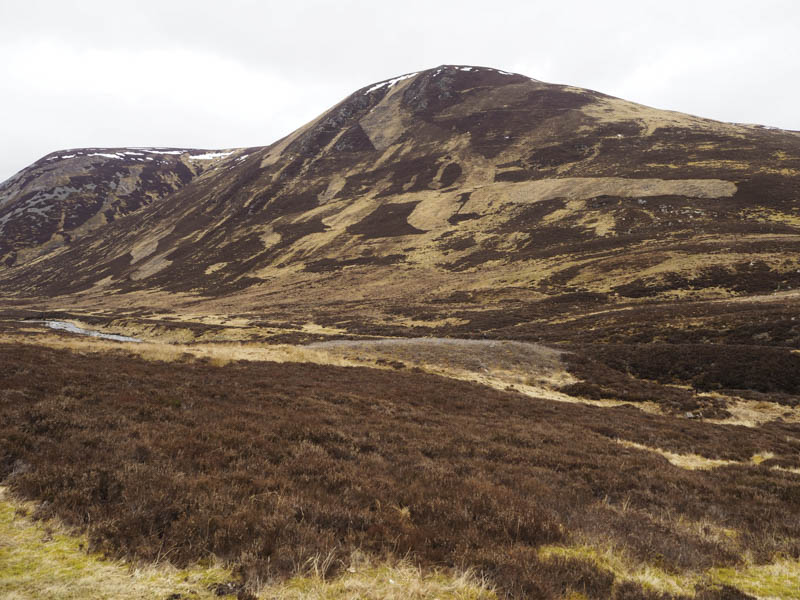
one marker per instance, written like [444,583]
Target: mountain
[459,199]
[557,344]
[66,194]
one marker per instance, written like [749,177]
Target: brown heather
[267,466]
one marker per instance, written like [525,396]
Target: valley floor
[314,471]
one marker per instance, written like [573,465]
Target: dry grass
[368,581]
[752,413]
[531,369]
[694,462]
[684,461]
[788,469]
[759,458]
[779,580]
[45,560]
[624,568]
[219,354]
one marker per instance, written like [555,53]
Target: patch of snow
[389,83]
[41,211]
[465,68]
[106,155]
[211,155]
[242,157]
[756,126]
[156,151]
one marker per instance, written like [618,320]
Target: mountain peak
[475,70]
[464,73]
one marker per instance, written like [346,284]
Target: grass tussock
[265,466]
[392,581]
[780,579]
[647,576]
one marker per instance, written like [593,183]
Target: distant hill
[66,194]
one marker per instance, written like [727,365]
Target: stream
[69,327]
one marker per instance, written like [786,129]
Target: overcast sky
[228,73]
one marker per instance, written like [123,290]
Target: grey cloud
[281,63]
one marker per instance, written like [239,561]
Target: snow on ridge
[759,126]
[468,69]
[389,82]
[117,156]
[211,155]
[133,153]
[159,151]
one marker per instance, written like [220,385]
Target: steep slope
[66,194]
[460,184]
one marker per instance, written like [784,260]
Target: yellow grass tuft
[400,581]
[650,577]
[159,352]
[694,462]
[684,461]
[779,580]
[45,561]
[757,459]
